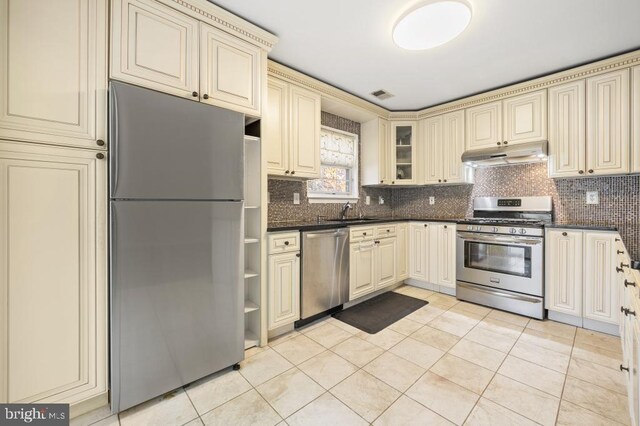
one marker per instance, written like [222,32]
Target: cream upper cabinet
[432,138]
[403,153]
[563,283]
[53,59]
[402,248]
[484,126]
[53,288]
[442,139]
[292,130]
[375,153]
[385,260]
[277,126]
[442,243]
[284,289]
[525,118]
[635,120]
[228,71]
[601,295]
[608,123]
[517,119]
[419,251]
[304,133]
[567,129]
[362,276]
[154,46]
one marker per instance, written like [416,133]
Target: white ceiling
[347,43]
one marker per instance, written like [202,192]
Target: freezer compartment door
[164,147]
[177,295]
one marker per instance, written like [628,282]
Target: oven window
[505,259]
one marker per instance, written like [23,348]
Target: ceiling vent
[382,94]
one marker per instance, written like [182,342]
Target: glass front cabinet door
[404,152]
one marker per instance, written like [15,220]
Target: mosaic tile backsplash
[619,196]
[281,207]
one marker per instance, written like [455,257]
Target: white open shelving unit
[253,241]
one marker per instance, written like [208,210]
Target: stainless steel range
[500,254]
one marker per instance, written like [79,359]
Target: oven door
[508,262]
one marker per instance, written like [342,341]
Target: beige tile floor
[448,363]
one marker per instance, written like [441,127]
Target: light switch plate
[367,200]
[593,197]
[380,200]
[432,200]
[296,198]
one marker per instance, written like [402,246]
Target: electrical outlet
[432,200]
[380,200]
[367,200]
[593,197]
[296,198]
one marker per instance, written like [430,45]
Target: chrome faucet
[346,207]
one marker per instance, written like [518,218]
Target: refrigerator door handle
[113,136]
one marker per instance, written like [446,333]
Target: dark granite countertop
[592,226]
[328,224]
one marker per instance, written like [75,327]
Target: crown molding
[589,70]
[290,75]
[626,60]
[225,20]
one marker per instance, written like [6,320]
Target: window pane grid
[338,165]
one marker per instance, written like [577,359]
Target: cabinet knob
[623,265]
[617,239]
[629,283]
[580,172]
[377,242]
[445,227]
[293,172]
[100,142]
[564,234]
[623,368]
[286,172]
[439,180]
[425,225]
[100,156]
[381,181]
[194,94]
[388,230]
[499,143]
[445,180]
[297,254]
[393,182]
[505,142]
[286,243]
[364,233]
[205,96]
[619,252]
[619,269]
[590,170]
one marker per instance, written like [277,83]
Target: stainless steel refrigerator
[177,293]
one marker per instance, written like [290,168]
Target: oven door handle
[469,236]
[499,293]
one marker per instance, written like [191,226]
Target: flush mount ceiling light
[431,24]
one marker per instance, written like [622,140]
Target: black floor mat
[379,312]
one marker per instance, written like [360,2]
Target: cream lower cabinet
[373,261]
[402,251]
[419,251]
[292,131]
[442,243]
[284,279]
[581,282]
[53,288]
[53,60]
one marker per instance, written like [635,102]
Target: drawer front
[284,242]
[361,233]
[383,231]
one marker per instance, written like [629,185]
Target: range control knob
[523,231]
[469,228]
[478,228]
[513,230]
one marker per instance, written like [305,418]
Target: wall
[619,198]
[281,207]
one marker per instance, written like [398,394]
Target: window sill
[331,200]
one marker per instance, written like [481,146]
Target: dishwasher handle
[325,234]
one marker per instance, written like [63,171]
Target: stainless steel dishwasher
[325,272]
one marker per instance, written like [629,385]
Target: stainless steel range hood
[530,152]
